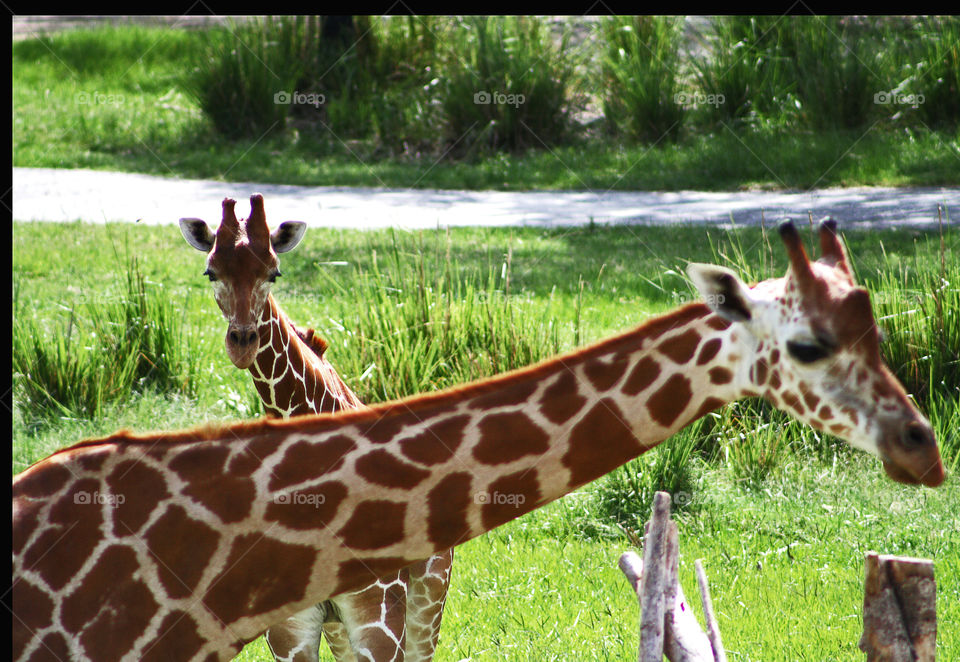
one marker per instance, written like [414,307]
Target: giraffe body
[292,376]
[286,513]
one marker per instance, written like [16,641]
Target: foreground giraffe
[186,545]
[395,618]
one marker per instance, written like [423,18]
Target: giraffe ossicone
[396,618]
[399,481]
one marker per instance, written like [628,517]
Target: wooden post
[652,606]
[899,609]
[667,624]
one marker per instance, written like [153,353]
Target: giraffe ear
[197,234]
[722,291]
[287,235]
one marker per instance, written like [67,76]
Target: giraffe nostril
[916,434]
[242,337]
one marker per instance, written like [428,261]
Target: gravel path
[45,194]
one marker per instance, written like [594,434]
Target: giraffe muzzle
[912,456]
[242,343]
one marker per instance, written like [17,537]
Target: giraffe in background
[391,620]
[283,514]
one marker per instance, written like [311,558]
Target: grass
[781,516]
[835,66]
[421,321]
[938,73]
[507,88]
[236,79]
[740,69]
[641,72]
[118,99]
[785,565]
[112,345]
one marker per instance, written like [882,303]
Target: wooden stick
[683,641]
[632,566]
[709,617]
[652,606]
[899,609]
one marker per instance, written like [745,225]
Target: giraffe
[389,620]
[282,514]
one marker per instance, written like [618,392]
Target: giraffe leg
[297,639]
[338,641]
[374,620]
[426,595]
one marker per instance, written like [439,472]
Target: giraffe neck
[285,514]
[447,467]
[291,376]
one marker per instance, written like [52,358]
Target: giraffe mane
[315,343]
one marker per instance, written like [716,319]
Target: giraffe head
[242,263]
[811,347]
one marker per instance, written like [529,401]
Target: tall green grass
[405,84]
[107,349]
[411,84]
[919,310]
[241,79]
[419,322]
[937,71]
[642,76]
[507,85]
[385,90]
[837,65]
[116,98]
[745,72]
[832,72]
[378,82]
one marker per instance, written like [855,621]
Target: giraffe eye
[807,352]
[210,274]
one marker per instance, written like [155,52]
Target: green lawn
[114,99]
[783,542]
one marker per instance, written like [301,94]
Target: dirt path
[45,194]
